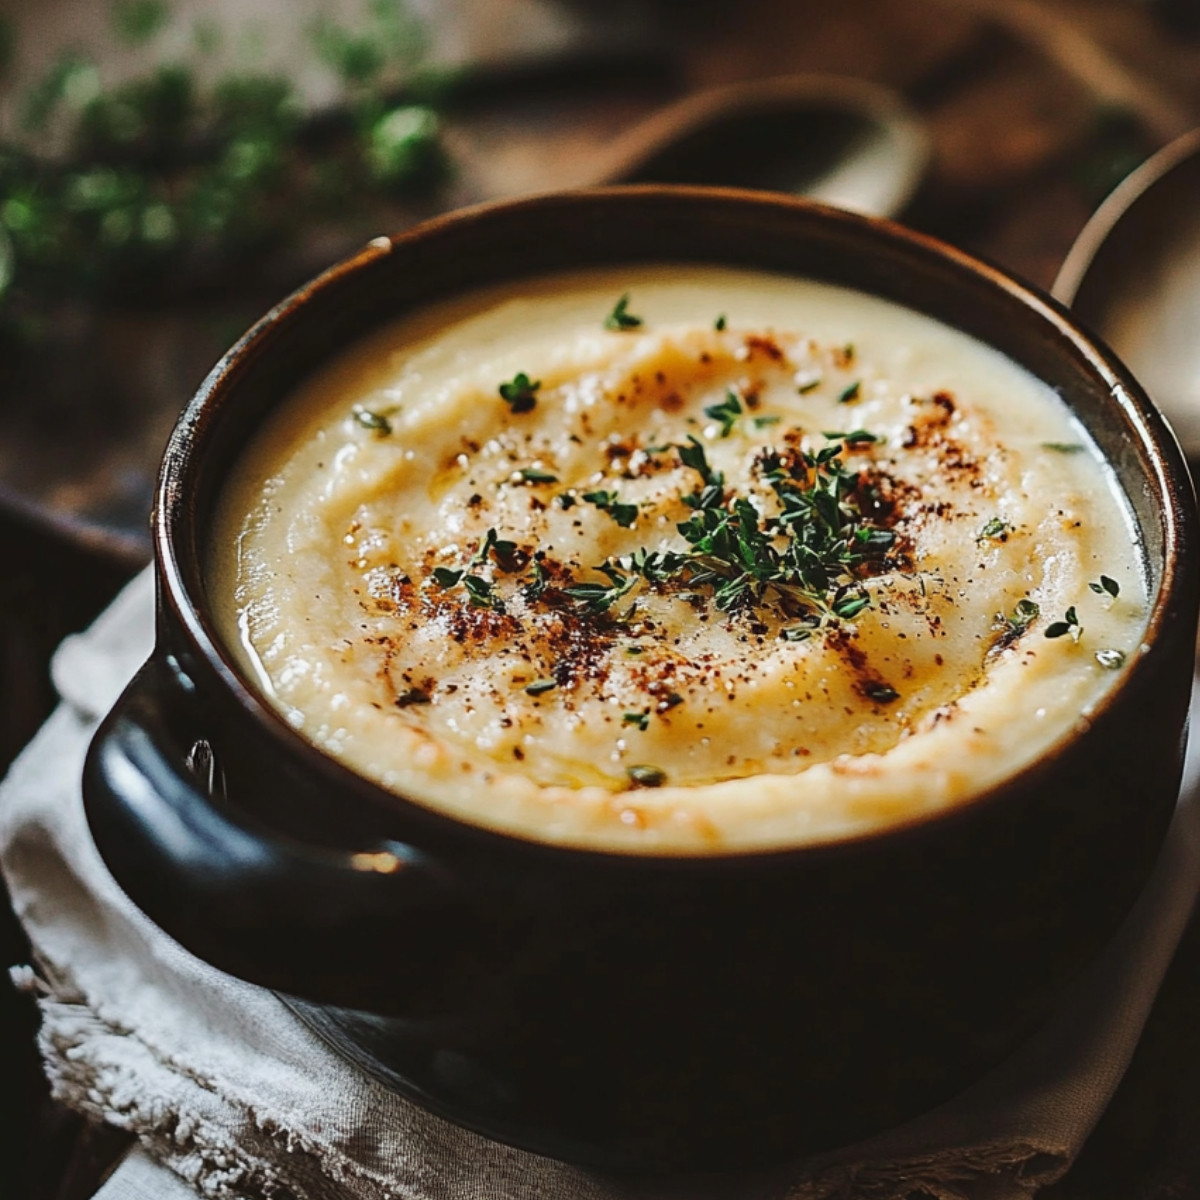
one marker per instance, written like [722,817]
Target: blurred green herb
[137,21]
[169,181]
[997,529]
[610,502]
[645,775]
[621,318]
[520,393]
[727,412]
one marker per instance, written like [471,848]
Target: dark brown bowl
[629,1010]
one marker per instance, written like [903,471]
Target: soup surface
[677,559]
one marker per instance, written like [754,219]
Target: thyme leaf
[482,593]
[996,529]
[727,412]
[1069,624]
[520,393]
[624,514]
[1106,585]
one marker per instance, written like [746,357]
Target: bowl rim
[181,586]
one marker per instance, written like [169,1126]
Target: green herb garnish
[1063,447]
[1024,613]
[1106,585]
[520,393]
[444,577]
[796,633]
[640,719]
[719,324]
[1069,624]
[996,529]
[856,437]
[621,319]
[727,412]
[482,593]
[539,686]
[536,475]
[624,514]
[763,421]
[809,385]
[596,597]
[377,422]
[850,393]
[880,693]
[646,776]
[137,21]
[692,455]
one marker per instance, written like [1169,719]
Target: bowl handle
[361,928]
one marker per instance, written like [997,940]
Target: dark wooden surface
[1036,109]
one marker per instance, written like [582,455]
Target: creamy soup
[678,559]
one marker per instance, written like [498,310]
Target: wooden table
[1035,109]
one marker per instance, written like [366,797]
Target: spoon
[1133,276]
[840,140]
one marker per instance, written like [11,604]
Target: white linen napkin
[228,1091]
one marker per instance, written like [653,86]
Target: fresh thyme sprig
[997,529]
[379,423]
[807,559]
